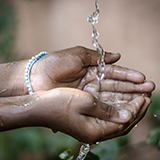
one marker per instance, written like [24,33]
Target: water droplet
[37,98]
[155,115]
[136,126]
[135,116]
[95,34]
[151,78]
[143,94]
[8,65]
[97,143]
[26,104]
[100,76]
[93,19]
[68,107]
[3,90]
[78,95]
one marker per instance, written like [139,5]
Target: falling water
[83,151]
[93,19]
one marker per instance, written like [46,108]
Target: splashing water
[136,126]
[93,19]
[83,151]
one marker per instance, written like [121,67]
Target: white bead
[28,68]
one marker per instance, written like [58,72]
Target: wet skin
[74,112]
[68,97]
[77,68]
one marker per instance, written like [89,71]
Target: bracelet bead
[28,69]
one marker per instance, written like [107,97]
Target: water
[93,19]
[8,65]
[3,90]
[155,115]
[136,126]
[85,148]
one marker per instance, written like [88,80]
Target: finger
[122,73]
[118,112]
[115,130]
[108,112]
[131,126]
[123,86]
[96,129]
[135,105]
[140,115]
[94,56]
[113,96]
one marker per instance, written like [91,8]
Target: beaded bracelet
[28,68]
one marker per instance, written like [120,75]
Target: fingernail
[114,52]
[124,114]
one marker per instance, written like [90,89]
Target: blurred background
[129,27]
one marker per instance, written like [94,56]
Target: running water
[85,148]
[93,19]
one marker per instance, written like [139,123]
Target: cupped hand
[119,83]
[77,68]
[84,117]
[65,68]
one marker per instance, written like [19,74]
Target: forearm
[12,81]
[17,112]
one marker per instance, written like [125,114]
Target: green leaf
[154,138]
[91,156]
[106,150]
[70,158]
[154,108]
[67,154]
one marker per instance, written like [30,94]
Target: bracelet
[28,68]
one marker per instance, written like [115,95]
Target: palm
[76,68]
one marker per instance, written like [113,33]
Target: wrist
[18,112]
[12,82]
[47,108]
[54,108]
[29,67]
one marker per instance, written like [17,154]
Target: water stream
[93,19]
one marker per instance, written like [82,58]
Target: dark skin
[74,112]
[77,68]
[69,98]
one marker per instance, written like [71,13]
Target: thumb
[137,119]
[117,112]
[94,56]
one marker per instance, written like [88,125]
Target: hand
[137,118]
[119,83]
[65,68]
[76,68]
[82,116]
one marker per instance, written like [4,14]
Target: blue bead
[27,79]
[28,68]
